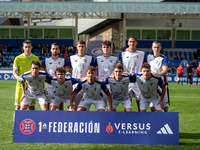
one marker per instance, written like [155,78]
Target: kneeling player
[92,89]
[63,88]
[119,88]
[148,85]
[35,86]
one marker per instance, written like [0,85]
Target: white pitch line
[183,97]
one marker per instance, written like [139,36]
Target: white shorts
[165,99]
[87,102]
[144,103]
[41,99]
[49,93]
[134,91]
[126,103]
[56,101]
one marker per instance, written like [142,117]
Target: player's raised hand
[23,95]
[161,104]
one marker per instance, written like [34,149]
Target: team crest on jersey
[137,56]
[156,62]
[66,86]
[151,84]
[85,60]
[124,83]
[59,63]
[95,89]
[111,61]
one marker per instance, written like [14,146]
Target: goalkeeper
[21,65]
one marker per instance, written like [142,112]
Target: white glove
[20,80]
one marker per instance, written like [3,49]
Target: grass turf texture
[184,99]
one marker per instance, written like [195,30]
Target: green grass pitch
[184,99]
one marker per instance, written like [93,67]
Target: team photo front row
[115,88]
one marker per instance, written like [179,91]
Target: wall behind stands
[66,42]
[12,42]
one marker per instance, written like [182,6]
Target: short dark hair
[91,68]
[146,66]
[27,42]
[156,42]
[55,44]
[35,63]
[132,37]
[106,43]
[118,66]
[81,42]
[60,69]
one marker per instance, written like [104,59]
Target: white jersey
[79,65]
[119,89]
[51,64]
[105,66]
[63,90]
[157,63]
[91,91]
[132,61]
[149,87]
[36,85]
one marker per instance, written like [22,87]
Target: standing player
[132,60]
[159,67]
[35,86]
[105,64]
[148,85]
[63,88]
[119,88]
[198,74]
[21,65]
[92,91]
[50,64]
[180,74]
[79,63]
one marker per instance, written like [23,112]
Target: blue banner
[6,76]
[150,128]
[173,78]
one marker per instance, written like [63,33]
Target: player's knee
[17,107]
[31,107]
[81,109]
[128,109]
[101,110]
[143,110]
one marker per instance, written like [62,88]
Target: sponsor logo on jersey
[50,63]
[27,126]
[151,84]
[127,57]
[109,128]
[165,130]
[75,60]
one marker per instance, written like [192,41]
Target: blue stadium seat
[39,53]
[10,67]
[18,53]
[190,57]
[189,53]
[0,63]
[180,53]
[170,53]
[147,52]
[175,53]
[15,53]
[185,53]
[36,50]
[13,49]
[11,53]
[8,53]
[185,57]
[166,53]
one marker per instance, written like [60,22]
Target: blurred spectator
[73,50]
[194,65]
[43,51]
[171,58]
[4,62]
[70,48]
[198,51]
[195,55]
[47,51]
[1,58]
[40,57]
[11,57]
[66,49]
[173,68]
[62,47]
[181,57]
[176,57]
[9,48]
[20,48]
[65,55]
[4,49]
[44,48]
[1,47]
[39,47]
[62,51]
[47,47]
